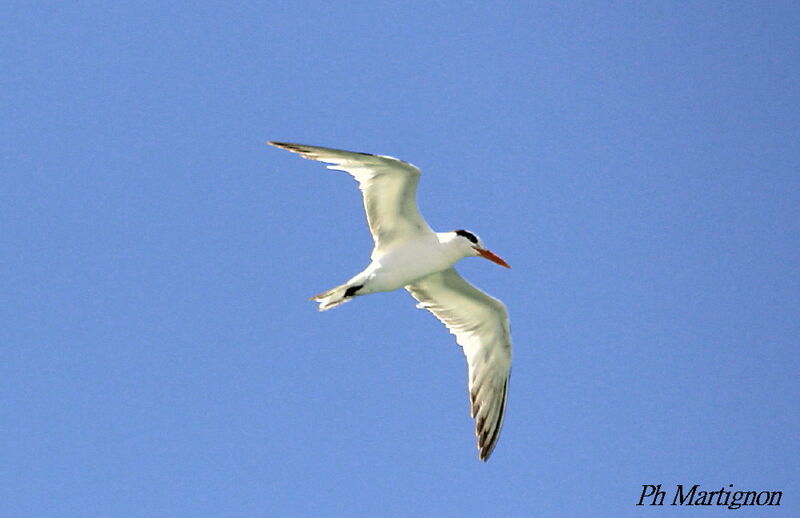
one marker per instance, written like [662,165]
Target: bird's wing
[480,323]
[389,187]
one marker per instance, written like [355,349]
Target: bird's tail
[336,296]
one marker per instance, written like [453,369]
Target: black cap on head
[469,235]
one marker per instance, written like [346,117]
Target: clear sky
[637,163]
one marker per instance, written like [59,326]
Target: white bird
[408,254]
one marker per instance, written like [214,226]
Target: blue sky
[637,163]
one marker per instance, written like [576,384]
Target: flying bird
[409,254]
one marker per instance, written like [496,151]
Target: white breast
[400,266]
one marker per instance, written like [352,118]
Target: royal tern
[408,254]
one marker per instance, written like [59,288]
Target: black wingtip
[486,444]
[285,145]
[300,149]
[303,149]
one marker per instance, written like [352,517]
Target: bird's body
[408,254]
[402,265]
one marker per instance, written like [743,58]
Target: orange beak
[490,256]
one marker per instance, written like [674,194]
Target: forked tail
[334,297]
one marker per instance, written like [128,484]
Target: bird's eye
[469,235]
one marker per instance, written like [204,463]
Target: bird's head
[471,245]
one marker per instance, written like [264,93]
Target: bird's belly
[394,271]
